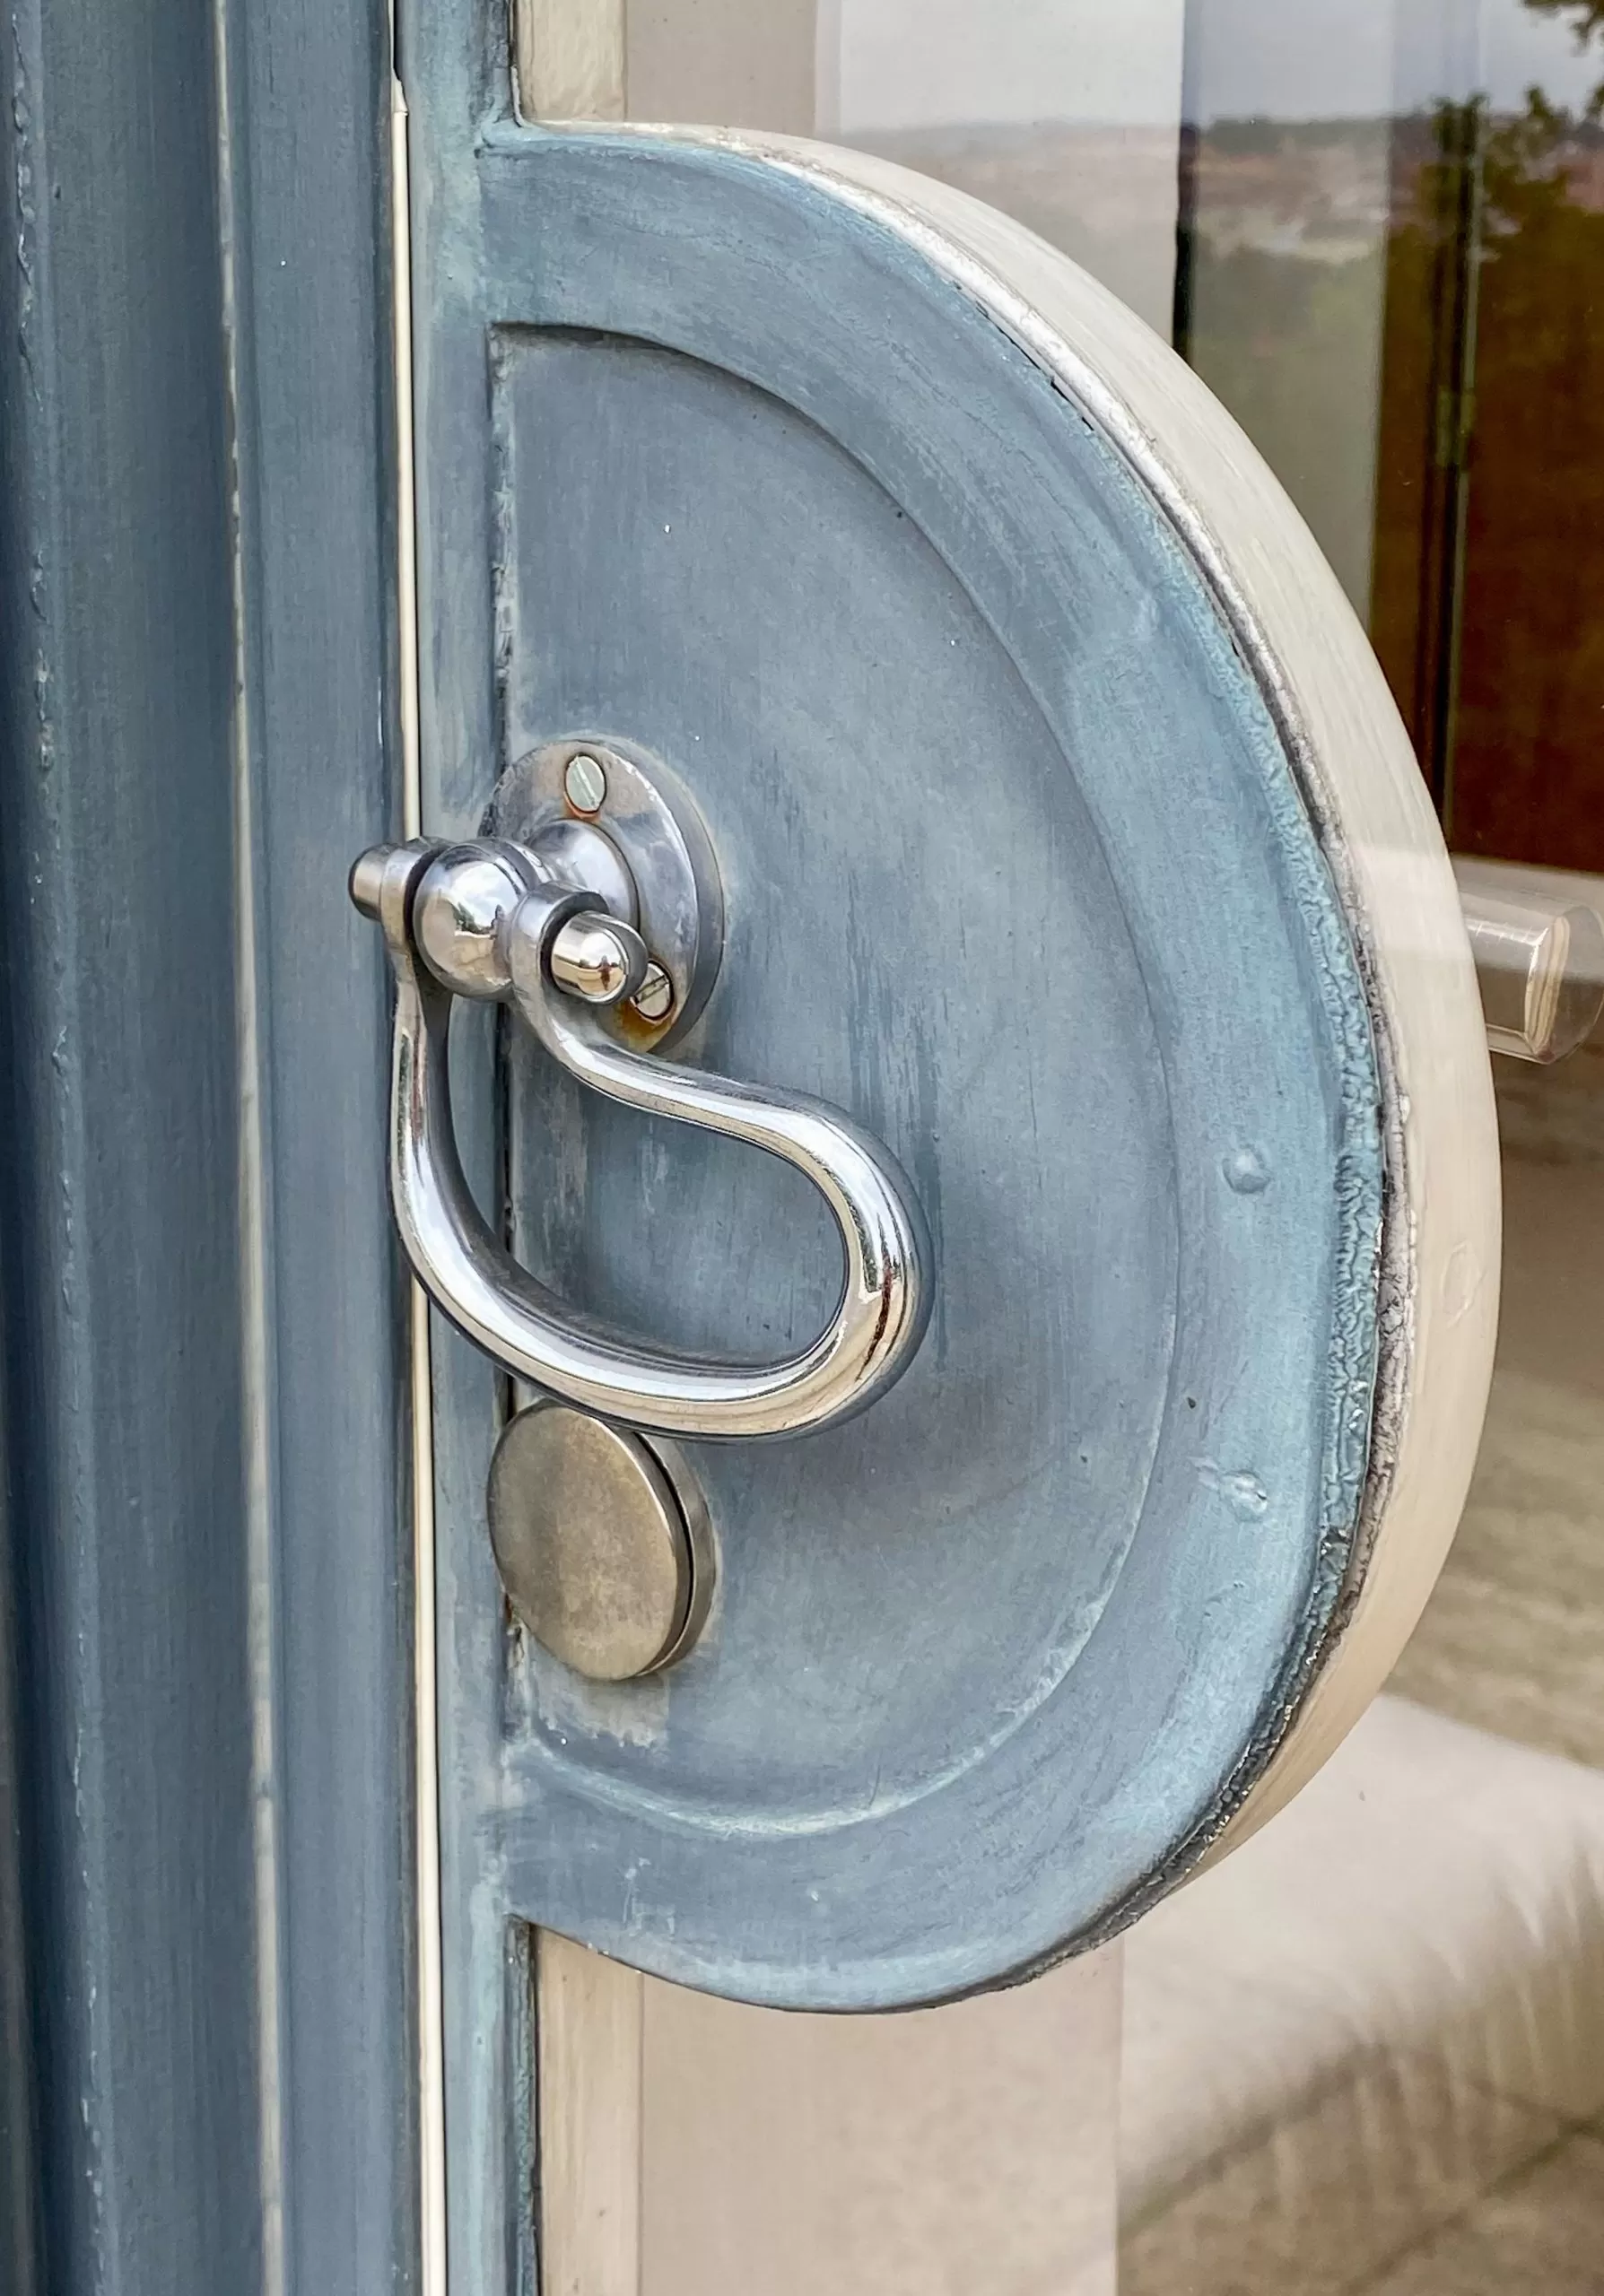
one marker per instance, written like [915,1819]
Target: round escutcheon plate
[1069,839]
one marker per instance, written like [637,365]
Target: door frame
[208,1947]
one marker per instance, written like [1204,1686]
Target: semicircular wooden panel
[1069,841]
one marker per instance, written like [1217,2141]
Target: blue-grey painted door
[1032,862]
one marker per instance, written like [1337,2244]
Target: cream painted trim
[569,58]
[591,2023]
[432,2062]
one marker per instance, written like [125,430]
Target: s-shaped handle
[485,920]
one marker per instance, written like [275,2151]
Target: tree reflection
[1584,18]
[1503,248]
[1406,315]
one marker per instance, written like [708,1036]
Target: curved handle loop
[886,1297]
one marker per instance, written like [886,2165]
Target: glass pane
[1367,2052]
[1282,282]
[1037,110]
[1524,779]
[1064,113]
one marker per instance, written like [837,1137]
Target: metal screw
[367,878]
[597,958]
[654,999]
[584,783]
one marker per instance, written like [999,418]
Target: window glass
[1367,2052]
[1282,280]
[1049,109]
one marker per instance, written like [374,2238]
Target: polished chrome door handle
[496,920]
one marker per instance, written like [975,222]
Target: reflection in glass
[1367,2052]
[1281,281]
[1529,732]
[1058,111]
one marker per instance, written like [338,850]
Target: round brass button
[595,1546]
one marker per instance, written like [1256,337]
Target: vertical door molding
[126,1375]
[307,157]
[204,1395]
